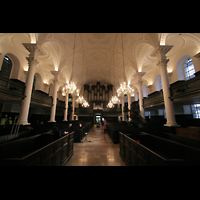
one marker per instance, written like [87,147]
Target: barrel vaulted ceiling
[99,56]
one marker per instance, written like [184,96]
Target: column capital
[197,55]
[160,51]
[55,73]
[162,63]
[139,75]
[34,49]
[32,60]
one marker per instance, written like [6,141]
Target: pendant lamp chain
[73,57]
[123,54]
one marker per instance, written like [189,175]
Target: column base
[65,120]
[51,121]
[24,123]
[173,124]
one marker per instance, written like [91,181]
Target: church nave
[98,152]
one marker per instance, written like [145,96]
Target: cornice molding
[32,49]
[161,50]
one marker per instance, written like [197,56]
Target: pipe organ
[98,93]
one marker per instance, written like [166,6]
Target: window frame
[195,111]
[9,64]
[187,69]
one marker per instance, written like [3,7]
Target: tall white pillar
[34,50]
[53,108]
[161,51]
[66,107]
[129,104]
[1,60]
[73,105]
[169,108]
[122,107]
[139,84]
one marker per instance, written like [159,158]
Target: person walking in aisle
[105,127]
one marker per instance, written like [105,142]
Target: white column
[34,50]
[122,107]
[169,108]
[53,108]
[73,104]
[1,60]
[160,52]
[139,84]
[66,107]
[129,104]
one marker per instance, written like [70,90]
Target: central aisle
[98,152]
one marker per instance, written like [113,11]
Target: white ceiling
[98,63]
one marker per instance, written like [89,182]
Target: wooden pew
[113,130]
[171,148]
[189,132]
[180,139]
[38,150]
[135,154]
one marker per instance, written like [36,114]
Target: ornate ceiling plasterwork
[98,53]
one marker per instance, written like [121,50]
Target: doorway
[98,119]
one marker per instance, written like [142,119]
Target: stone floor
[96,151]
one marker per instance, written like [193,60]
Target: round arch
[157,82]
[145,91]
[179,67]
[38,81]
[15,65]
[136,95]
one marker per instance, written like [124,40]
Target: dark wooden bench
[171,149]
[190,132]
[42,149]
[12,137]
[113,130]
[135,154]
[180,139]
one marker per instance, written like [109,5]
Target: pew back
[40,149]
[171,149]
[135,154]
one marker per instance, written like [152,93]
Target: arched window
[161,83]
[145,91]
[189,69]
[136,96]
[158,82]
[6,67]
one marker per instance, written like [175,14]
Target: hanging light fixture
[110,105]
[70,88]
[85,103]
[80,98]
[114,99]
[124,88]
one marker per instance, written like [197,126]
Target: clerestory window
[6,67]
[189,69]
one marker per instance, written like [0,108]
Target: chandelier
[125,89]
[110,105]
[85,104]
[115,100]
[80,99]
[69,88]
